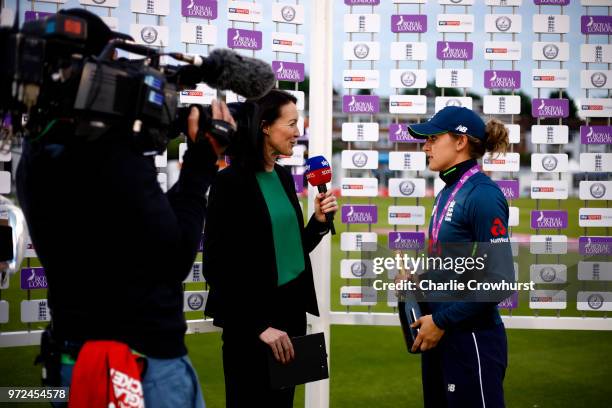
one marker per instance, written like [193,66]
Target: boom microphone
[226,69]
[319,173]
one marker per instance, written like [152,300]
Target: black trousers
[245,362]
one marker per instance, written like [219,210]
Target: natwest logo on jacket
[498,228]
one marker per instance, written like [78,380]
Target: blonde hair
[497,140]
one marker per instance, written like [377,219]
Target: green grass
[370,368]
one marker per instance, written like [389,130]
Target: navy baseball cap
[454,119]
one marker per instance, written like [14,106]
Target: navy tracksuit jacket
[467,367]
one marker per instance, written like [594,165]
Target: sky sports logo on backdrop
[235,10]
[404,103]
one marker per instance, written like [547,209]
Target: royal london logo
[198,10]
[401,242]
[595,248]
[287,74]
[598,137]
[451,52]
[408,26]
[240,41]
[400,133]
[596,27]
[359,216]
[502,81]
[549,222]
[550,110]
[360,106]
[508,192]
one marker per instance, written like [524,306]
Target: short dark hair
[250,155]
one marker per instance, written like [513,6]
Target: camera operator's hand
[219,112]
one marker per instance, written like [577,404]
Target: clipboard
[310,363]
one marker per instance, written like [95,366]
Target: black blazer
[239,262]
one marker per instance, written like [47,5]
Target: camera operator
[116,250]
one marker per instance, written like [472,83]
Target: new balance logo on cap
[453,119]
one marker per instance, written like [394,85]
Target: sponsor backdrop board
[385,58]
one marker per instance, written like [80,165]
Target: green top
[285,228]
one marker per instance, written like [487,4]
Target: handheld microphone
[226,69]
[319,173]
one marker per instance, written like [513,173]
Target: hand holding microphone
[318,173]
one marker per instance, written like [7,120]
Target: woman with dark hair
[463,339]
[256,255]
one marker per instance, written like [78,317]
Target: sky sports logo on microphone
[317,171]
[192,93]
[312,175]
